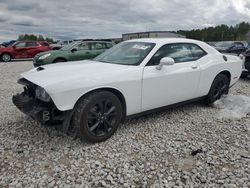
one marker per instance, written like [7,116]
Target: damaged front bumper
[44,112]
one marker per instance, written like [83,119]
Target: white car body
[143,87]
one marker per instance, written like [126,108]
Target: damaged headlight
[42,94]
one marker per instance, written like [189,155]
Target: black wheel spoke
[111,110]
[106,126]
[93,127]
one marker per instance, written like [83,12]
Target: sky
[75,19]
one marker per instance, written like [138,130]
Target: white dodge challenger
[133,77]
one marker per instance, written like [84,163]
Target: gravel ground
[182,147]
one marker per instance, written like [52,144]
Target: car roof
[163,41]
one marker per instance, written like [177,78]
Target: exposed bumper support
[45,113]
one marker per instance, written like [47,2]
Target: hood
[87,70]
[5,49]
[48,52]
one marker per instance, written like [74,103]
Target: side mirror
[165,61]
[73,50]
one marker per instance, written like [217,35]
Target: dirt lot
[189,146]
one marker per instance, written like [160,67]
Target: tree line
[219,33]
[34,37]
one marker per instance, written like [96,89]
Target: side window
[108,45]
[197,51]
[82,46]
[238,45]
[20,45]
[31,44]
[44,44]
[98,46]
[179,52]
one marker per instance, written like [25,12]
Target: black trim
[166,107]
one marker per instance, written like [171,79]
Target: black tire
[97,116]
[59,60]
[6,57]
[243,76]
[220,86]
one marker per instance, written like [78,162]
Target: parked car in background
[133,77]
[23,49]
[76,51]
[246,65]
[231,47]
[9,43]
[60,44]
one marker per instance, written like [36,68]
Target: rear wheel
[220,86]
[6,57]
[97,116]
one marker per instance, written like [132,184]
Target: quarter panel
[212,65]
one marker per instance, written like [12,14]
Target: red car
[23,49]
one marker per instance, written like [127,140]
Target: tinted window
[238,45]
[20,45]
[179,52]
[197,52]
[31,44]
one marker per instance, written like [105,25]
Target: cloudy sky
[67,19]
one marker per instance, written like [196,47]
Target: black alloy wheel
[220,86]
[101,117]
[97,116]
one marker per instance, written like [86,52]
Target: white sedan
[133,77]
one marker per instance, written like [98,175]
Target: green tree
[219,33]
[34,37]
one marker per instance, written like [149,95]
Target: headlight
[44,56]
[42,94]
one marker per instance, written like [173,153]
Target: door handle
[87,52]
[194,67]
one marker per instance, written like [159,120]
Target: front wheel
[220,86]
[6,57]
[97,116]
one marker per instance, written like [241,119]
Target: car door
[19,50]
[97,48]
[173,83]
[32,48]
[80,51]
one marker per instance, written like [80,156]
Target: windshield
[224,44]
[126,53]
